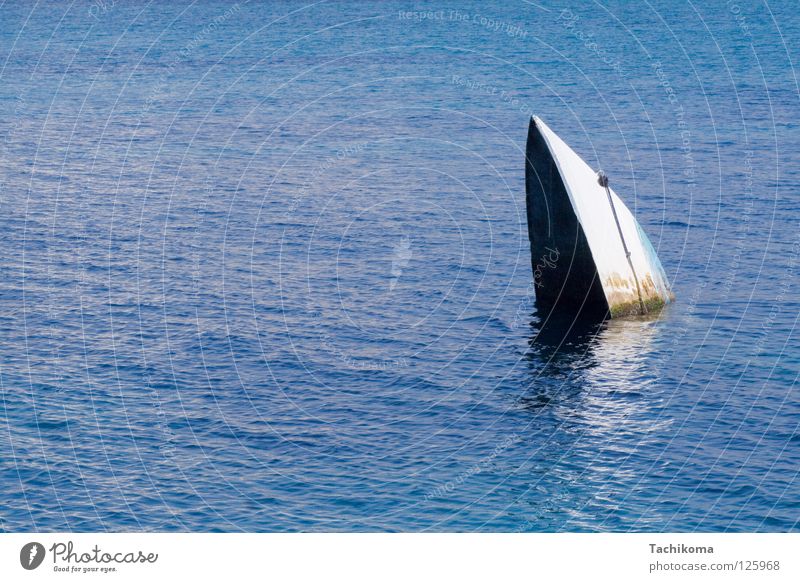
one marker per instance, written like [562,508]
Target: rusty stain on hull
[623,298]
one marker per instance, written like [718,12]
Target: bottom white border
[406,557]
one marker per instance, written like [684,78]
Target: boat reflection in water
[595,412]
[610,352]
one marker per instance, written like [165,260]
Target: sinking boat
[588,252]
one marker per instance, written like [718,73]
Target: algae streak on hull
[569,209]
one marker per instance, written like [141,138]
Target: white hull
[631,284]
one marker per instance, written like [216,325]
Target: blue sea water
[265,267]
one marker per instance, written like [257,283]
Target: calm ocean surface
[265,267]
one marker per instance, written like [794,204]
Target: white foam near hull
[630,287]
